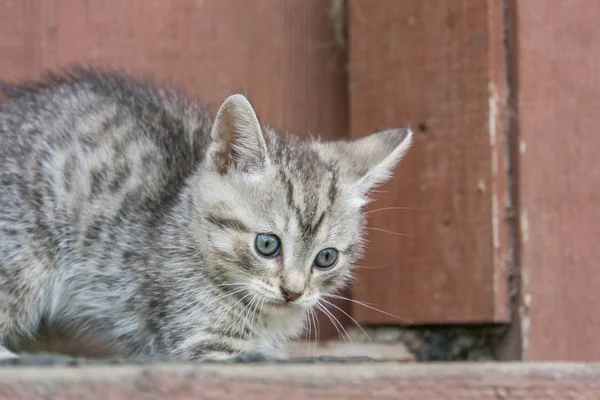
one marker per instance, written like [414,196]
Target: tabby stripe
[227,223]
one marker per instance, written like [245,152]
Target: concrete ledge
[370,380]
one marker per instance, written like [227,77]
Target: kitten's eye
[266,244]
[326,258]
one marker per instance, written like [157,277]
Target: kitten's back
[89,145]
[89,163]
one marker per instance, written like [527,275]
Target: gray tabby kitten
[127,213]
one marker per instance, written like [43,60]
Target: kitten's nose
[288,295]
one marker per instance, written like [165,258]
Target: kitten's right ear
[237,138]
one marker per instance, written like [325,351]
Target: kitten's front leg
[227,348]
[214,348]
[215,356]
[6,354]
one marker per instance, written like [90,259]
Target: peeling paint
[495,222]
[493,110]
[525,277]
[481,186]
[525,328]
[527,300]
[492,126]
[524,222]
[337,15]
[522,147]
[493,117]
[524,308]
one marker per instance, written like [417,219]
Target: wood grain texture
[282,54]
[306,381]
[557,61]
[438,65]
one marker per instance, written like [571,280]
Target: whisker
[391,232]
[252,311]
[231,308]
[233,290]
[225,295]
[246,307]
[367,267]
[338,321]
[335,296]
[315,329]
[309,330]
[318,328]
[315,323]
[231,268]
[249,310]
[228,294]
[367,306]
[349,316]
[390,208]
[322,309]
[258,314]
[229,284]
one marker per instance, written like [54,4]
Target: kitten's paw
[254,357]
[217,357]
[6,356]
[251,357]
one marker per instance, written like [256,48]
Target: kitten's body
[126,213]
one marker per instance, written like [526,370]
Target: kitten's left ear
[378,154]
[237,138]
[369,161]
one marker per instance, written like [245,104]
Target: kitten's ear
[237,138]
[375,156]
[369,161]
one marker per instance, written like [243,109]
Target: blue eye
[326,258]
[267,244]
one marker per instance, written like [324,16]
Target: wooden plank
[18,39]
[288,63]
[305,381]
[282,54]
[558,98]
[438,65]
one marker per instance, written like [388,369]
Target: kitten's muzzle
[289,295]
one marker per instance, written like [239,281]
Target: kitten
[127,213]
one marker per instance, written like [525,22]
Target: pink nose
[288,295]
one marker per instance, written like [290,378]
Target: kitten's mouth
[281,305]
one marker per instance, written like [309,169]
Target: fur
[129,215]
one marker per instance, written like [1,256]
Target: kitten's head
[282,218]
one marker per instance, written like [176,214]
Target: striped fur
[129,215]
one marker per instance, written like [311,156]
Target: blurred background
[485,243]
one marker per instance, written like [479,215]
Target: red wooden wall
[438,65]
[502,182]
[556,48]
